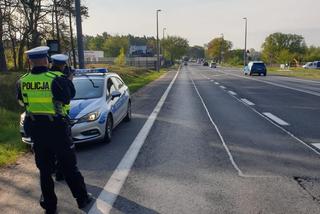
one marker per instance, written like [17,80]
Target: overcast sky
[201,20]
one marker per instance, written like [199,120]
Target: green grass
[312,74]
[11,146]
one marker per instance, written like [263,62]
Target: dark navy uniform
[52,141]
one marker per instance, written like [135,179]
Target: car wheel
[250,73]
[108,131]
[129,113]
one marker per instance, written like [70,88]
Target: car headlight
[89,117]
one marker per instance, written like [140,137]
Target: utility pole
[221,47]
[158,43]
[79,34]
[245,42]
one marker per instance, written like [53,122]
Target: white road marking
[211,80]
[274,84]
[234,164]
[111,190]
[232,93]
[317,145]
[217,83]
[280,127]
[247,102]
[276,119]
[221,86]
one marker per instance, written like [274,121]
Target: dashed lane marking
[317,145]
[276,119]
[110,192]
[232,93]
[223,87]
[247,102]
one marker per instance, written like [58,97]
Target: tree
[196,52]
[121,59]
[113,45]
[285,44]
[218,47]
[174,47]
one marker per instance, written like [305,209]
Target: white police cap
[38,52]
[59,58]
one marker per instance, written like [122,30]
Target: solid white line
[234,164]
[247,102]
[274,84]
[222,87]
[317,145]
[276,119]
[110,192]
[232,93]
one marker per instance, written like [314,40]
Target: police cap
[38,52]
[59,59]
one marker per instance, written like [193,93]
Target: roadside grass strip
[276,119]
[111,190]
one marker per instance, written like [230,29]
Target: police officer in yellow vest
[46,96]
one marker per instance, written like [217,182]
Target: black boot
[83,202]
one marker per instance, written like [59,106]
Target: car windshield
[88,88]
[258,66]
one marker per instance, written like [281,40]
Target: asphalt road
[217,143]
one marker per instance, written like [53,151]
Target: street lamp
[245,42]
[221,47]
[158,44]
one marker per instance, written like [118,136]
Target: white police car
[102,101]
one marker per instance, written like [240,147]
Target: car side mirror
[115,94]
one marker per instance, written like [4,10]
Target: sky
[200,21]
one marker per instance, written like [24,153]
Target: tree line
[278,48]
[25,24]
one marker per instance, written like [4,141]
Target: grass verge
[312,74]
[11,146]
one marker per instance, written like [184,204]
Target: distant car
[205,63]
[185,63]
[102,101]
[312,65]
[255,67]
[213,65]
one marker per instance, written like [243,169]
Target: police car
[102,101]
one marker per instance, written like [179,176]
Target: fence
[141,62]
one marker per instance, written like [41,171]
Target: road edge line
[107,197]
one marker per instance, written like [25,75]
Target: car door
[123,99]
[114,102]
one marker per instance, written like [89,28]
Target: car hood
[79,108]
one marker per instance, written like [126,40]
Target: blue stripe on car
[75,110]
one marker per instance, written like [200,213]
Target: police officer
[59,65]
[45,95]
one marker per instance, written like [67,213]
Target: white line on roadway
[234,164]
[280,127]
[232,93]
[222,87]
[317,145]
[276,119]
[274,84]
[247,102]
[217,83]
[110,192]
